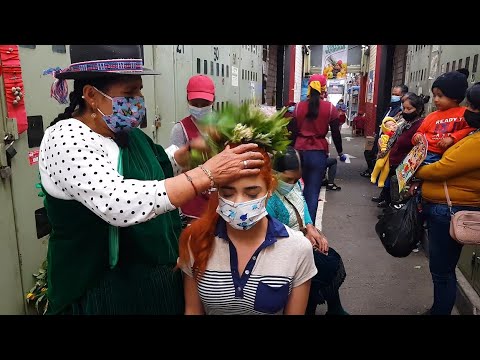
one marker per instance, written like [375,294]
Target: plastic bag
[400,229]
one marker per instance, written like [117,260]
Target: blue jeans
[314,164]
[444,254]
[431,158]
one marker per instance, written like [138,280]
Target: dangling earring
[94,114]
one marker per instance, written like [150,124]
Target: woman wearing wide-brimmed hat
[112,194]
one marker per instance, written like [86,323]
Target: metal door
[183,72]
[11,301]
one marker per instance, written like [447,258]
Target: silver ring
[245,163]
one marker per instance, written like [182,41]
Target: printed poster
[411,163]
[370,86]
[334,61]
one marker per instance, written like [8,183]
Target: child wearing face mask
[447,125]
[200,97]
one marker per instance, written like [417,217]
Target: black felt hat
[94,60]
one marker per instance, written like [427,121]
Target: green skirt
[134,290]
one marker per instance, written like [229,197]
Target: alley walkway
[376,283]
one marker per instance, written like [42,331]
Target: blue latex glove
[343,157]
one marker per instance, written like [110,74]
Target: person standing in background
[200,97]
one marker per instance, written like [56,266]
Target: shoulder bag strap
[447,195]
[299,218]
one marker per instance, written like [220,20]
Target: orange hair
[200,235]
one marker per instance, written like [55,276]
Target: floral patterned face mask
[244,215]
[127,114]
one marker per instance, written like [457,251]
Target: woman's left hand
[317,239]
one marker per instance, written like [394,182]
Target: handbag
[464,224]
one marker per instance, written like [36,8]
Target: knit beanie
[452,84]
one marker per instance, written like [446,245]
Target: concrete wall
[316,55]
[354,54]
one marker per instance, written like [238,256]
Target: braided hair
[77,103]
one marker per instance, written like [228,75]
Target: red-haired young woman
[238,260]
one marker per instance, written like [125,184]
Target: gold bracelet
[209,174]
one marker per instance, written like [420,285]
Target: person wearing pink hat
[200,97]
[313,117]
[318,82]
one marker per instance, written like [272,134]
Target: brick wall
[399,64]
[271,75]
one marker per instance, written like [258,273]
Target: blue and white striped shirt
[282,262]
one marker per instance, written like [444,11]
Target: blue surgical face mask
[243,215]
[291,109]
[395,98]
[199,112]
[284,188]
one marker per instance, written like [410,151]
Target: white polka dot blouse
[78,164]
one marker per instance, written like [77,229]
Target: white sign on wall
[234,76]
[334,52]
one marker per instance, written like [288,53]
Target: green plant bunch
[242,124]
[38,293]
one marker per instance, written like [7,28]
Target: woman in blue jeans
[459,168]
[313,117]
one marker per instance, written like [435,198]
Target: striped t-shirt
[282,262]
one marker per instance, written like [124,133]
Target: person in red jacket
[447,125]
[359,121]
[313,117]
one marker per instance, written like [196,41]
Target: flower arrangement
[38,294]
[243,124]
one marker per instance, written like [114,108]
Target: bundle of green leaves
[243,124]
[38,294]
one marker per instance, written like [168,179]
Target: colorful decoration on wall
[11,71]
[335,69]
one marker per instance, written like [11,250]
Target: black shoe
[383,204]
[366,174]
[378,199]
[333,187]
